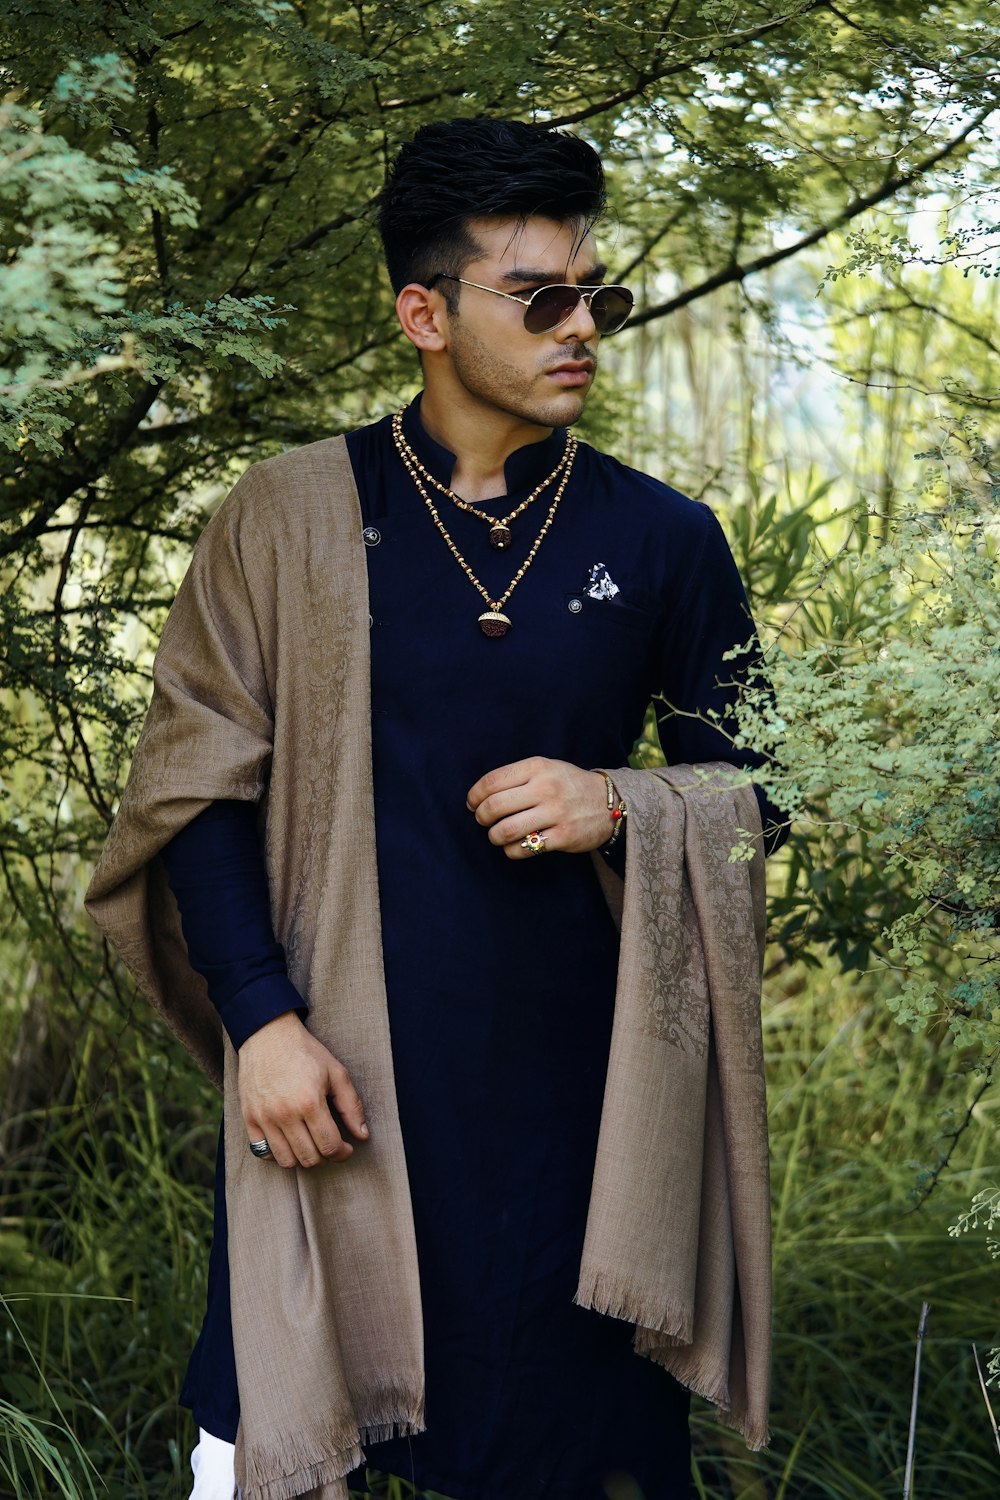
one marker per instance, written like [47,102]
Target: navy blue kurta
[500,974]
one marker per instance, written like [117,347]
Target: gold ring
[534,843]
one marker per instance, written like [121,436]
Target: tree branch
[737,273]
[954,1136]
[727,43]
[66,485]
[349,216]
[260,175]
[916,305]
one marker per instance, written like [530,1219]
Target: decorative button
[372,536]
[574,606]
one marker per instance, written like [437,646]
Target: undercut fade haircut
[456,170]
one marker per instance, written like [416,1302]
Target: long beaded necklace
[492,622]
[500,537]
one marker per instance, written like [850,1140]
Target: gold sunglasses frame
[586,295]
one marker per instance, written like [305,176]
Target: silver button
[372,536]
[574,606]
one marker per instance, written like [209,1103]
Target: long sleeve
[217,875]
[697,683]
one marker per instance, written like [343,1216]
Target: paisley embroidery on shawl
[677,1011]
[735,967]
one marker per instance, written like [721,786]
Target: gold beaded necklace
[492,622]
[500,537]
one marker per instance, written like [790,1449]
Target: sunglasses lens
[610,308]
[550,306]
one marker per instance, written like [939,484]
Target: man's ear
[423,317]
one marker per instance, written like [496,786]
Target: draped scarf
[261,691]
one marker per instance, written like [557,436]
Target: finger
[502,804]
[281,1151]
[321,1128]
[256,1132]
[513,830]
[515,851]
[307,1151]
[347,1102]
[503,778]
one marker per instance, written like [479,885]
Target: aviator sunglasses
[550,306]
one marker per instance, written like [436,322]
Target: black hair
[456,170]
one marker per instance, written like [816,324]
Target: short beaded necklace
[492,622]
[500,537]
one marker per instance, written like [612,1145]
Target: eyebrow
[524,276]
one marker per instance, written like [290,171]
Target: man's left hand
[566,804]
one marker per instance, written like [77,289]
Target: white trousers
[213,1463]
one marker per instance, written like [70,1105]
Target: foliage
[888,730]
[189,281]
[189,277]
[32,1453]
[63,284]
[102,1255]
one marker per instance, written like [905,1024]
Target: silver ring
[259,1148]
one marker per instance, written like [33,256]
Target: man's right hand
[286,1078]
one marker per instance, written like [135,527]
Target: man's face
[542,378]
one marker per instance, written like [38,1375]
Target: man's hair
[456,170]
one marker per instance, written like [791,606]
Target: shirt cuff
[260,1001]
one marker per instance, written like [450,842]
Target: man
[432,1041]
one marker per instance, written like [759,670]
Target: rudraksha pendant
[493,623]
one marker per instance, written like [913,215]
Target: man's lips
[573,372]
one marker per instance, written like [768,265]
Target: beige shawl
[262,691]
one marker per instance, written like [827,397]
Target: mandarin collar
[523,469]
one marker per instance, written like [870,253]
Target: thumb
[347,1100]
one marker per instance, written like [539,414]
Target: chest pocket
[613,615]
[607,656]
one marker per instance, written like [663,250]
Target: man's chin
[562,409]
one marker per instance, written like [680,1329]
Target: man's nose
[579,327]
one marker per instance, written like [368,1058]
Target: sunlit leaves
[893,734]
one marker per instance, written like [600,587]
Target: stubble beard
[491,379]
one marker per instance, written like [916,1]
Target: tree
[190,261]
[189,281]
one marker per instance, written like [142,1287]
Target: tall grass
[859,1111]
[108,1210]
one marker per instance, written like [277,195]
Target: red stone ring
[534,843]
